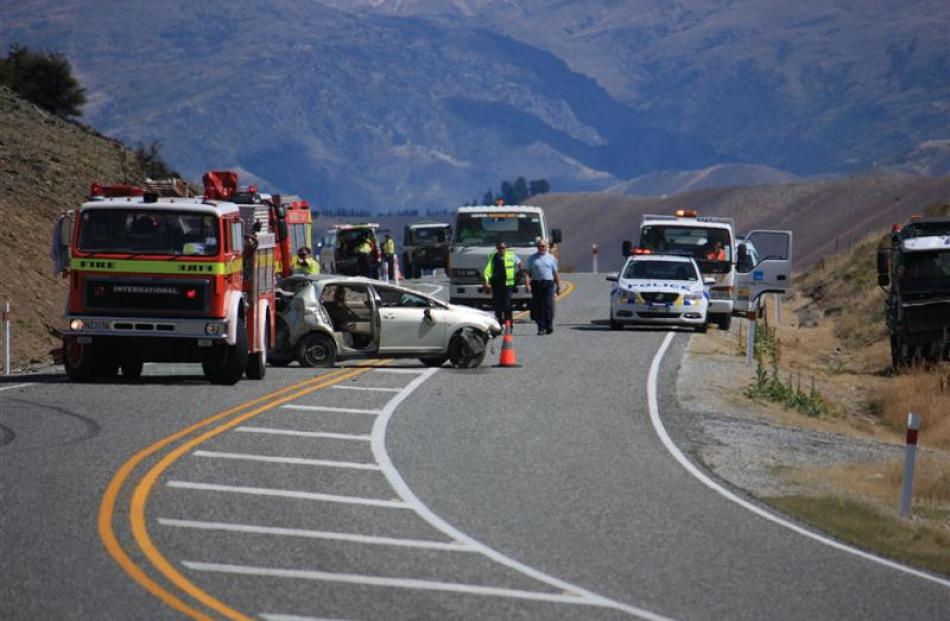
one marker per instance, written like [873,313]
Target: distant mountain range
[423,103]
[670,182]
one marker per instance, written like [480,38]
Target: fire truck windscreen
[487,229]
[144,231]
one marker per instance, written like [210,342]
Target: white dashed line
[660,430]
[296,461]
[303,434]
[399,371]
[317,534]
[325,408]
[366,388]
[384,581]
[285,493]
[14,386]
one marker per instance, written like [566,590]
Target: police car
[659,289]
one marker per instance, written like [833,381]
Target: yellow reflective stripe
[218,268]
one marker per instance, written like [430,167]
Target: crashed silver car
[325,318]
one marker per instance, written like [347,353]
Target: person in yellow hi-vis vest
[305,264]
[500,274]
[363,250]
[389,255]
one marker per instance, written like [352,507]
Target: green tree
[539,186]
[488,198]
[45,79]
[151,160]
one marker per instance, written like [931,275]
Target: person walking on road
[545,285]
[499,276]
[389,256]
[305,264]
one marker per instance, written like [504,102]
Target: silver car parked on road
[324,318]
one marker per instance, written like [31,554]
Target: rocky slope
[46,165]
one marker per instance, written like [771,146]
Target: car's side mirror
[613,277]
[427,313]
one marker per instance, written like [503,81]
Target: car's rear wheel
[316,350]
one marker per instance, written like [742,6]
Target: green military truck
[426,246]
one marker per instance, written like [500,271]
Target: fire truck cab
[158,278]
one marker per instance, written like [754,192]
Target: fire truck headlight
[211,328]
[76,324]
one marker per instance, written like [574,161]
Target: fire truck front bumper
[210,331]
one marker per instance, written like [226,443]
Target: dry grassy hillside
[46,165]
[826,216]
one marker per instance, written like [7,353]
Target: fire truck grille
[150,297]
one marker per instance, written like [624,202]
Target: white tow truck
[735,278]
[477,230]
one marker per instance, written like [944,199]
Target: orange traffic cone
[508,357]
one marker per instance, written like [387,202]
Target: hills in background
[419,104]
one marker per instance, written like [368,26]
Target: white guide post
[593,253]
[750,338]
[910,455]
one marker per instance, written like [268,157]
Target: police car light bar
[685,213]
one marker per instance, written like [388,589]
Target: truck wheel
[79,360]
[316,350]
[434,361]
[257,362]
[701,328]
[225,364]
[131,369]
[724,322]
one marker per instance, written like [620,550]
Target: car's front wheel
[433,361]
[467,349]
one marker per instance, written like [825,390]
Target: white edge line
[284,493]
[325,408]
[384,581]
[716,487]
[411,500]
[303,434]
[366,388]
[317,534]
[14,386]
[297,461]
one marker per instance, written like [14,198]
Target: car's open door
[773,272]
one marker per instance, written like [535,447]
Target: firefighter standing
[389,255]
[499,276]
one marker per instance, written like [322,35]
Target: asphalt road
[399,492]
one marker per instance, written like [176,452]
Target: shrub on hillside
[45,79]
[152,163]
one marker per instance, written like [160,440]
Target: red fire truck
[159,277]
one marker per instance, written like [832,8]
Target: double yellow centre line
[189,438]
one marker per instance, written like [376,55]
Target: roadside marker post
[6,338]
[750,338]
[593,253]
[910,456]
